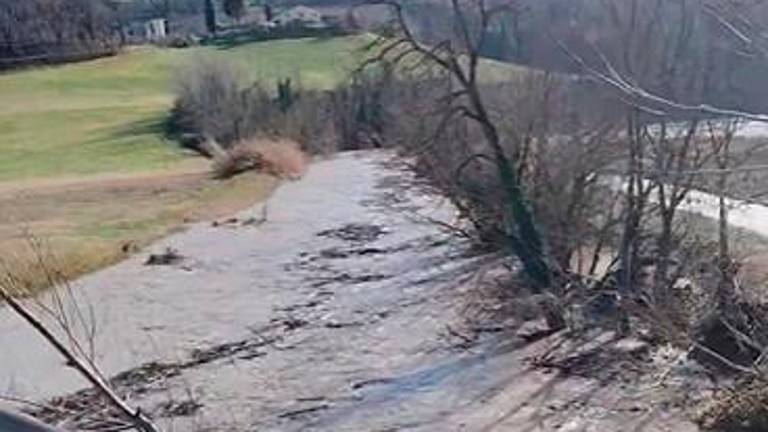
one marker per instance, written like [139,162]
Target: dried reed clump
[280,158]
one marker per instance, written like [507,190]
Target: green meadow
[106,115]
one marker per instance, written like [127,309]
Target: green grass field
[105,116]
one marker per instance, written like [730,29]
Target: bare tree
[54,30]
[210,16]
[663,69]
[235,8]
[459,55]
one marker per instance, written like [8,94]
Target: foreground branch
[645,100]
[142,422]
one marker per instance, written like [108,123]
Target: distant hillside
[306,2]
[660,44]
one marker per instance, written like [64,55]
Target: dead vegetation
[743,408]
[279,158]
[93,224]
[214,103]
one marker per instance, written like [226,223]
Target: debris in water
[87,409]
[371,382]
[129,247]
[294,323]
[361,233]
[302,412]
[341,325]
[338,253]
[249,348]
[170,257]
[185,408]
[230,221]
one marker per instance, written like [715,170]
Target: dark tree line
[598,30]
[40,31]
[533,164]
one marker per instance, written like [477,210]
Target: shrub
[281,158]
[559,150]
[179,41]
[743,408]
[235,161]
[213,102]
[310,122]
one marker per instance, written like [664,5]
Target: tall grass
[280,158]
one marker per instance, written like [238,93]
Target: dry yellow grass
[278,157]
[281,158]
[87,226]
[36,263]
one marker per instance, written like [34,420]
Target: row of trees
[567,183]
[533,164]
[529,33]
[40,30]
[530,161]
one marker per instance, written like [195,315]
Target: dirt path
[339,313]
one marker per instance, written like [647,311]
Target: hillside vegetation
[106,115]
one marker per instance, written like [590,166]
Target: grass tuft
[280,158]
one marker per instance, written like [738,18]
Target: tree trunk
[524,240]
[725,293]
[210,17]
[661,282]
[632,220]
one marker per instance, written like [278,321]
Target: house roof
[299,13]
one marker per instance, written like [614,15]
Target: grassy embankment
[84,164]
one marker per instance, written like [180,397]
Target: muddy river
[332,307]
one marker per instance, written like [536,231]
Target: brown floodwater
[335,314]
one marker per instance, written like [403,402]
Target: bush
[743,408]
[213,102]
[179,41]
[281,158]
[309,122]
[559,150]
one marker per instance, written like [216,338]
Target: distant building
[367,17]
[253,16]
[156,29]
[364,17]
[147,31]
[300,15]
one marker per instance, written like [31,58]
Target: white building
[149,30]
[301,15]
[156,29]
